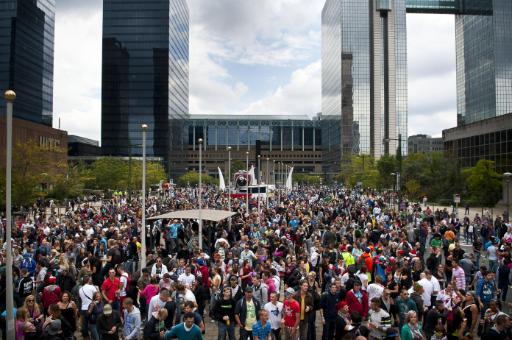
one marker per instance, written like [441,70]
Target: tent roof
[206,214]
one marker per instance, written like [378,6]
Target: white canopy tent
[204,214]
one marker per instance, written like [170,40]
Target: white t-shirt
[376,319]
[87,295]
[187,280]
[374,291]
[124,281]
[163,270]
[428,289]
[275,314]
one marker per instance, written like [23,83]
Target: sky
[250,57]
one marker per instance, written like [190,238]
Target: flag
[289,180]
[253,176]
[222,184]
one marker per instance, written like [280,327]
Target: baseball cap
[107,310]
[289,291]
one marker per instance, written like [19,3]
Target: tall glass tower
[364,69]
[144,76]
[26,57]
[364,78]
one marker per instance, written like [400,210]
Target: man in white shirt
[275,313]
[158,301]
[158,269]
[375,289]
[86,293]
[379,320]
[187,278]
[428,288]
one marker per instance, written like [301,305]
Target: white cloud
[301,96]
[77,78]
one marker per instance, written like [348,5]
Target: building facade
[26,57]
[489,139]
[424,144]
[145,77]
[364,69]
[291,140]
[364,78]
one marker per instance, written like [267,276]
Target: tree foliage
[192,178]
[306,179]
[237,165]
[360,169]
[484,184]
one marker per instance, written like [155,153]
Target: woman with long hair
[34,312]
[68,309]
[25,330]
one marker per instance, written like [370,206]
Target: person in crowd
[131,320]
[275,313]
[291,318]
[109,324]
[411,330]
[186,330]
[95,310]
[247,313]
[224,312]
[262,329]
[329,312]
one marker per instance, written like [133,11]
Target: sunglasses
[30,300]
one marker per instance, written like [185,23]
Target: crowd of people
[342,259]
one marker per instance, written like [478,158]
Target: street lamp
[507,176]
[247,191]
[267,182]
[199,198]
[392,189]
[9,96]
[229,184]
[399,159]
[143,231]
[259,186]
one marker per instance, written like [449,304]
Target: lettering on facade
[49,143]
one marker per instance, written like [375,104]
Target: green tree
[360,168]
[237,165]
[386,165]
[192,178]
[306,179]
[484,183]
[413,189]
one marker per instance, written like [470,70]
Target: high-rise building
[364,69]
[144,77]
[26,57]
[364,78]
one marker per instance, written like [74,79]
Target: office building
[145,77]
[292,140]
[424,144]
[364,69]
[26,57]
[81,147]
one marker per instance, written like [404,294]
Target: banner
[289,180]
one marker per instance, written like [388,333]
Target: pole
[508,199]
[267,182]
[9,96]
[143,231]
[130,173]
[259,186]
[200,140]
[399,170]
[247,192]
[229,184]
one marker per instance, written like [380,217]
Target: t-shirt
[381,319]
[86,295]
[291,309]
[250,319]
[274,314]
[374,291]
[181,333]
[110,287]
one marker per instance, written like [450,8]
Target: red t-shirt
[291,309]
[110,288]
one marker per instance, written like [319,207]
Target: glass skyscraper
[364,69]
[364,78]
[26,57]
[145,76]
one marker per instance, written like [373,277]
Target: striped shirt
[460,277]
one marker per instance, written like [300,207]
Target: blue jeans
[93,328]
[223,329]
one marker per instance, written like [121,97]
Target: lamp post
[199,196]
[143,230]
[267,182]
[259,186]
[247,191]
[398,158]
[229,184]
[392,190]
[507,176]
[9,96]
